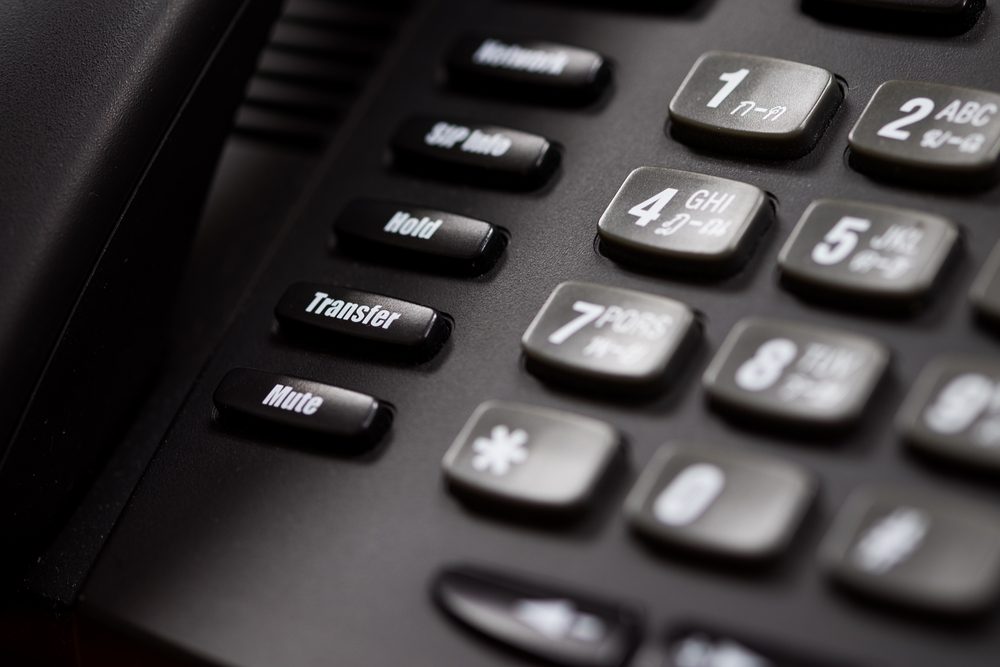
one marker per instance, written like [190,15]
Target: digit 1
[732,80]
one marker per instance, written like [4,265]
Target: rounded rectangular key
[929,134]
[985,292]
[607,338]
[857,250]
[525,457]
[673,220]
[726,504]
[541,620]
[428,238]
[917,549]
[754,104]
[793,372]
[953,411]
[527,69]
[259,398]
[324,311]
[473,152]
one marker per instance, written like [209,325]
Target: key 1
[757,105]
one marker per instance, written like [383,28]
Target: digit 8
[766,366]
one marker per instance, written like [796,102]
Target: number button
[795,373]
[607,338]
[754,104]
[929,134]
[727,504]
[913,548]
[986,290]
[676,220]
[953,411]
[846,250]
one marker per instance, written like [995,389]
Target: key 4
[669,220]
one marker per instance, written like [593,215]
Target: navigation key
[542,621]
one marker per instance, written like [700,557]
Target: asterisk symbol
[498,453]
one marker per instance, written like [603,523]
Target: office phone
[601,334]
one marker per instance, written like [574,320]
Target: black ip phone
[512,332]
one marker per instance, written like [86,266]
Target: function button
[670,220]
[795,372]
[754,104]
[953,411]
[530,457]
[324,311]
[851,249]
[526,68]
[914,549]
[929,134]
[255,397]
[472,152]
[986,290]
[433,239]
[725,504]
[607,338]
[540,620]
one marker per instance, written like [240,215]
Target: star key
[517,456]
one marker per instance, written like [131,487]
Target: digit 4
[650,210]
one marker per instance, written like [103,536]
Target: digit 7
[588,313]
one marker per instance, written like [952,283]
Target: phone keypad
[608,338]
[754,104]
[725,504]
[868,251]
[672,220]
[930,134]
[794,372]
